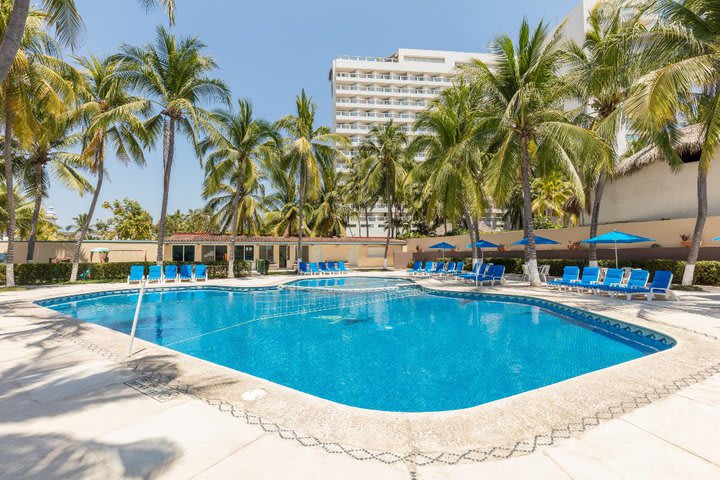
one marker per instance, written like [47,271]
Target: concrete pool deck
[69,408]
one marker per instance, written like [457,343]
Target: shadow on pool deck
[63,457]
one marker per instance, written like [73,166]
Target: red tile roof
[222,238]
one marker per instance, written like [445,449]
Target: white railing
[404,78]
[406,116]
[367,59]
[383,102]
[413,91]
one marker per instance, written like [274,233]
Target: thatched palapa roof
[689,143]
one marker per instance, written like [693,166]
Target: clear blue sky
[268,50]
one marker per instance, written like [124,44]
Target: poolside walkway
[67,412]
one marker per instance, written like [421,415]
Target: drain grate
[153,389]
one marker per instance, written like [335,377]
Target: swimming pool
[407,349]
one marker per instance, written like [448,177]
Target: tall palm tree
[48,158]
[235,141]
[522,96]
[281,208]
[452,171]
[59,13]
[63,15]
[173,73]
[383,153]
[34,76]
[79,221]
[686,43]
[603,69]
[306,147]
[355,193]
[330,215]
[112,118]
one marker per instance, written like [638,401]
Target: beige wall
[119,252]
[665,232]
[655,193]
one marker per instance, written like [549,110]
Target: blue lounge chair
[459,267]
[314,269]
[333,266]
[590,276]
[613,276]
[478,271]
[427,270]
[137,274]
[201,273]
[444,269]
[303,268]
[341,267]
[449,268]
[638,280]
[154,274]
[495,274]
[571,275]
[438,267]
[322,266]
[170,273]
[661,282]
[417,266]
[186,273]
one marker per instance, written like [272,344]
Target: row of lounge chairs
[481,273]
[322,268]
[158,274]
[615,282]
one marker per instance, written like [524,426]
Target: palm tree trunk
[689,272]
[359,223]
[39,165]
[389,225]
[300,215]
[527,217]
[233,236]
[168,154]
[7,154]
[473,236]
[80,236]
[367,223]
[13,36]
[594,218]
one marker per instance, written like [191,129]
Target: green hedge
[52,273]
[706,272]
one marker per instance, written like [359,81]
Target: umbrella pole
[616,257]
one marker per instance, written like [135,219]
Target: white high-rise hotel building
[369,91]
[372,91]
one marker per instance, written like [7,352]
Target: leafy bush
[52,273]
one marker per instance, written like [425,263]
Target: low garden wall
[54,273]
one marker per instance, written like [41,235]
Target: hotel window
[214,253]
[266,253]
[183,253]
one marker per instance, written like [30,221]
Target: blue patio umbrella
[482,244]
[443,246]
[616,237]
[538,241]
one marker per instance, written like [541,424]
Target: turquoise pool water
[401,350]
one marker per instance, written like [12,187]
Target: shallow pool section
[405,349]
[351,283]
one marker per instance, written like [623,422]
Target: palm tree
[50,136]
[282,213]
[307,146]
[686,43]
[16,16]
[355,193]
[112,117]
[235,140]
[63,15]
[329,217]
[173,74]
[383,153]
[452,171]
[521,100]
[79,221]
[603,69]
[34,76]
